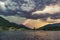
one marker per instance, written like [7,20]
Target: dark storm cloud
[45,16]
[25,8]
[16,7]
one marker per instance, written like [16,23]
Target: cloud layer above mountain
[31,9]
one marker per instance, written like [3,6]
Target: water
[30,35]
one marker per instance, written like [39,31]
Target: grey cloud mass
[25,8]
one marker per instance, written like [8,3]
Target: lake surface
[30,35]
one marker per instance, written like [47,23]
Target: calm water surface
[30,35]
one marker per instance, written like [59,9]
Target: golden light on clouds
[53,20]
[51,9]
[30,23]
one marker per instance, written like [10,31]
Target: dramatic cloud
[39,23]
[35,23]
[28,5]
[51,9]
[12,7]
[30,9]
[14,19]
[2,6]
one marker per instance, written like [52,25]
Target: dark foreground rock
[30,35]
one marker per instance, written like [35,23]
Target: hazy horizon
[19,11]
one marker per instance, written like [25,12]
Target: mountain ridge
[5,24]
[53,27]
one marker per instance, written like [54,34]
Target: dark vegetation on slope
[6,25]
[51,27]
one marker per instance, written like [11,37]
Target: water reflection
[30,35]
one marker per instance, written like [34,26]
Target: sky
[18,11]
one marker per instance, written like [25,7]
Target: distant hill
[51,27]
[5,24]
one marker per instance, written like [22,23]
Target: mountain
[5,24]
[54,27]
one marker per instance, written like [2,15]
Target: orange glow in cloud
[51,9]
[53,20]
[30,23]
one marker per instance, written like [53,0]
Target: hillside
[54,27]
[6,25]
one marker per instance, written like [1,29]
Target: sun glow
[30,23]
[35,23]
[51,9]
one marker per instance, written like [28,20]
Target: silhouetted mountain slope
[23,26]
[51,27]
[6,24]
[3,22]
